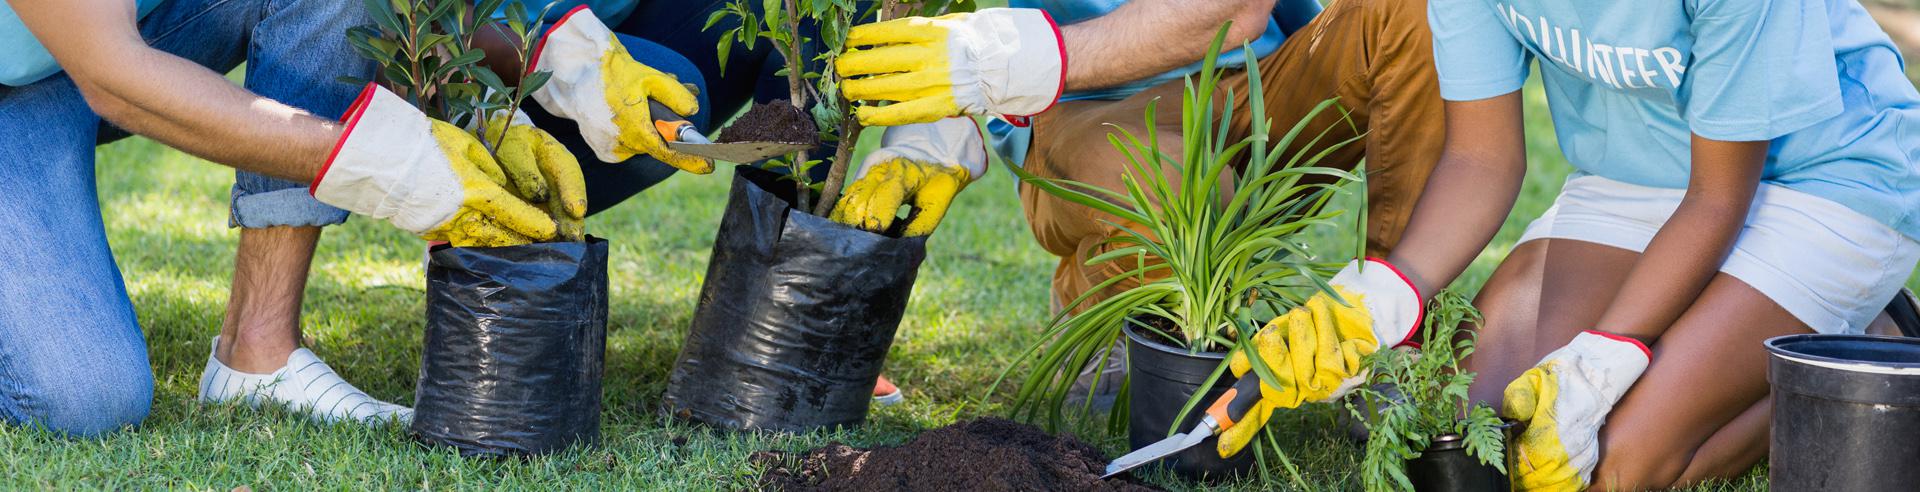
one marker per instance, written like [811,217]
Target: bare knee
[1635,459]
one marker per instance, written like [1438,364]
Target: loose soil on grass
[777,121]
[988,454]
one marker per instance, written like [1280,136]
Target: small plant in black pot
[1214,248]
[797,311]
[516,330]
[1426,434]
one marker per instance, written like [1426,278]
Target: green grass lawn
[980,299]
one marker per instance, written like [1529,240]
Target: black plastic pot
[1160,379]
[795,317]
[1846,412]
[1446,467]
[515,343]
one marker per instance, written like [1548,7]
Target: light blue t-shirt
[1011,141]
[1629,81]
[22,59]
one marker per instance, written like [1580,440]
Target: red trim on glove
[1415,330]
[1025,120]
[537,48]
[351,118]
[1623,338]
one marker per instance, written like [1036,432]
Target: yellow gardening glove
[1562,403]
[922,165]
[997,61]
[598,85]
[425,176]
[542,171]
[1314,352]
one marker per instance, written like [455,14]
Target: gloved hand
[425,176]
[1315,350]
[998,61]
[598,85]
[542,170]
[1562,402]
[924,165]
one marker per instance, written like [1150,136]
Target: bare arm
[1690,247]
[1481,168]
[171,99]
[1144,38]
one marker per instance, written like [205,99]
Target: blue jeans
[72,356]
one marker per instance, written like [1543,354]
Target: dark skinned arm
[1688,250]
[1472,189]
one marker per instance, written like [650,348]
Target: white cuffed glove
[598,85]
[1563,402]
[923,165]
[429,177]
[994,62]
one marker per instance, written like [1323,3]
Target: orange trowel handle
[1235,403]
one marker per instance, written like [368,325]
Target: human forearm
[1149,37]
[1687,252]
[173,100]
[1469,195]
[231,127]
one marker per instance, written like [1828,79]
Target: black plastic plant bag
[515,341]
[795,318]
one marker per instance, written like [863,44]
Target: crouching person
[72,356]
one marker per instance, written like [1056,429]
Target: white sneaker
[306,385]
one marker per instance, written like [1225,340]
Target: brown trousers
[1375,56]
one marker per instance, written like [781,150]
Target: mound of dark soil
[986,454]
[777,121]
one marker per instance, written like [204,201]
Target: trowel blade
[1166,447]
[738,152]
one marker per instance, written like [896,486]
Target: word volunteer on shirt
[1621,67]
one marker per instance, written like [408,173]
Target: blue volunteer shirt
[22,59]
[1629,81]
[1011,142]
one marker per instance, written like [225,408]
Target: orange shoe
[885,393]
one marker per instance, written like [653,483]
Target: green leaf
[487,78]
[383,15]
[715,18]
[465,58]
[532,82]
[724,48]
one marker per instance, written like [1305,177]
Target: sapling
[1431,399]
[425,52]
[778,23]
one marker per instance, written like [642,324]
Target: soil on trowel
[777,121]
[987,454]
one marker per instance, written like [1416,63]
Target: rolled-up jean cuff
[292,207]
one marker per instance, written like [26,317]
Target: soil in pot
[1161,377]
[987,454]
[1446,467]
[777,121]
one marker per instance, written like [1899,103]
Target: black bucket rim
[1780,347]
[1144,341]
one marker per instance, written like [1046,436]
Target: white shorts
[1829,266]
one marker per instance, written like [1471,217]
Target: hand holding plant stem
[1213,260]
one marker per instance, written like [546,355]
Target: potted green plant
[1424,433]
[797,312]
[1206,263]
[515,336]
